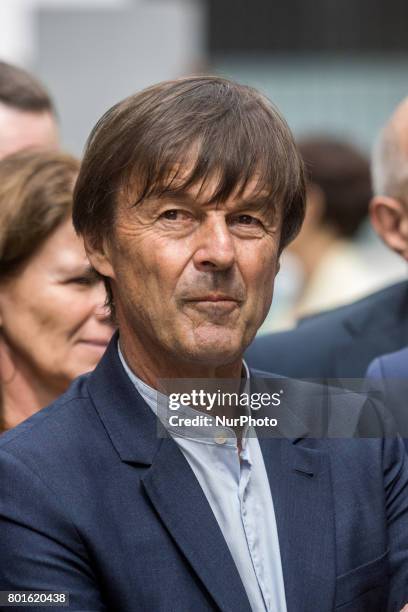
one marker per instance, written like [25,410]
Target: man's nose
[215,246]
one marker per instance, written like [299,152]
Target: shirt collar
[158,403]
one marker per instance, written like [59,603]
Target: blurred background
[335,69]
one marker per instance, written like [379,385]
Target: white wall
[90,57]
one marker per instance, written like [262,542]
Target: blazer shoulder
[374,370]
[52,425]
[393,365]
[307,350]
[322,327]
[389,299]
[290,352]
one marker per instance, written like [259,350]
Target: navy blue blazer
[92,502]
[338,343]
[391,373]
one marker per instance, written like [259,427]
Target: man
[27,115]
[187,193]
[341,343]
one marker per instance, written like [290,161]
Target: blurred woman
[53,325]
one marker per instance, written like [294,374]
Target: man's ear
[389,217]
[100,256]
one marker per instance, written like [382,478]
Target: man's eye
[247,220]
[175,215]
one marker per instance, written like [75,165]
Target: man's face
[191,279]
[26,130]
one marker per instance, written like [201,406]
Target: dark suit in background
[389,374]
[387,367]
[339,343]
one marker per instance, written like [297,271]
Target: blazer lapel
[169,481]
[181,504]
[300,484]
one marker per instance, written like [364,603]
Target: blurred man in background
[27,114]
[391,217]
[341,343]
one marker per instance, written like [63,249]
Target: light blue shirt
[237,488]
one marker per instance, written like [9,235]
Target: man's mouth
[214,297]
[217,304]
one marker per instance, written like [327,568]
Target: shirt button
[220,439]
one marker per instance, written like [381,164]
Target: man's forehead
[202,192]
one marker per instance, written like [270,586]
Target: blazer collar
[130,423]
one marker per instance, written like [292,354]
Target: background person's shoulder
[318,346]
[390,365]
[294,353]
[64,446]
[388,301]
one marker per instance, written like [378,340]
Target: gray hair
[389,165]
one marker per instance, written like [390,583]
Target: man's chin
[215,358]
[215,352]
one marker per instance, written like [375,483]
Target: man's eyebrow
[177,196]
[156,200]
[264,203]
[258,202]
